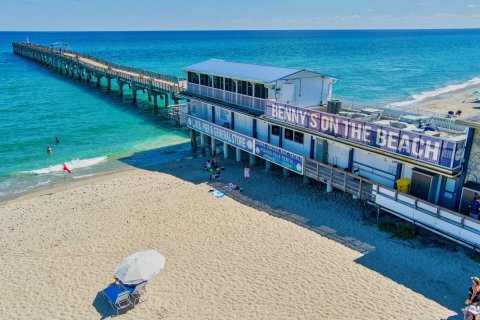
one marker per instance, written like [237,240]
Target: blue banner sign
[279,156]
[223,134]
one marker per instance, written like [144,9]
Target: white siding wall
[298,148]
[199,110]
[309,91]
[375,167]
[338,154]
[274,139]
[223,117]
[262,130]
[243,124]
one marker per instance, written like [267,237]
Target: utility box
[334,106]
[424,185]
[468,193]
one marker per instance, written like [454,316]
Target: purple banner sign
[416,146]
[231,137]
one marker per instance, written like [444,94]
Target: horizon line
[239,30]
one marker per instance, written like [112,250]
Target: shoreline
[172,152]
[255,254]
[454,100]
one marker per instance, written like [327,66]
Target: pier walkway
[80,65]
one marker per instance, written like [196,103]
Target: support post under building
[213,146]
[251,159]
[202,141]
[225,150]
[238,154]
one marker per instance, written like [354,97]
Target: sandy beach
[452,101]
[279,250]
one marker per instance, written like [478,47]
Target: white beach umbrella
[139,267]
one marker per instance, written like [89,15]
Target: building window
[249,89]
[260,91]
[242,87]
[229,85]
[193,77]
[204,80]
[289,134]
[298,137]
[218,82]
[275,130]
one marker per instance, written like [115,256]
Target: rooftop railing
[392,111]
[227,96]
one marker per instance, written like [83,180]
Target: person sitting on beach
[207,165]
[473,292]
[450,114]
[458,113]
[234,187]
[471,313]
[214,161]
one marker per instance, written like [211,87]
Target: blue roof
[245,71]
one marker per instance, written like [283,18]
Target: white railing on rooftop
[227,96]
[392,111]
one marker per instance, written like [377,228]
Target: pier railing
[445,222]
[140,77]
[227,96]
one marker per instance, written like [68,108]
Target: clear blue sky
[57,15]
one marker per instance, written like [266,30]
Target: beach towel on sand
[216,193]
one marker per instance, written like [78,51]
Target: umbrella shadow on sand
[103,308]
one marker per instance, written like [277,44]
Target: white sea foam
[416,98]
[74,164]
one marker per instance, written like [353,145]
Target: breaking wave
[416,98]
[72,165]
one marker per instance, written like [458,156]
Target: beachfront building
[411,165]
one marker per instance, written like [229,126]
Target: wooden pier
[84,66]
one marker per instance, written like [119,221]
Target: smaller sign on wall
[279,156]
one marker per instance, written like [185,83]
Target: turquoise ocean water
[96,127]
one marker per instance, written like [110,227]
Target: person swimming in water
[49,149]
[56,140]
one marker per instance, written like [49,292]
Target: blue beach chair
[118,298]
[137,292]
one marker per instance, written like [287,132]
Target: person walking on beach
[246,173]
[473,292]
[474,207]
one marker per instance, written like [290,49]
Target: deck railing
[435,218]
[227,96]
